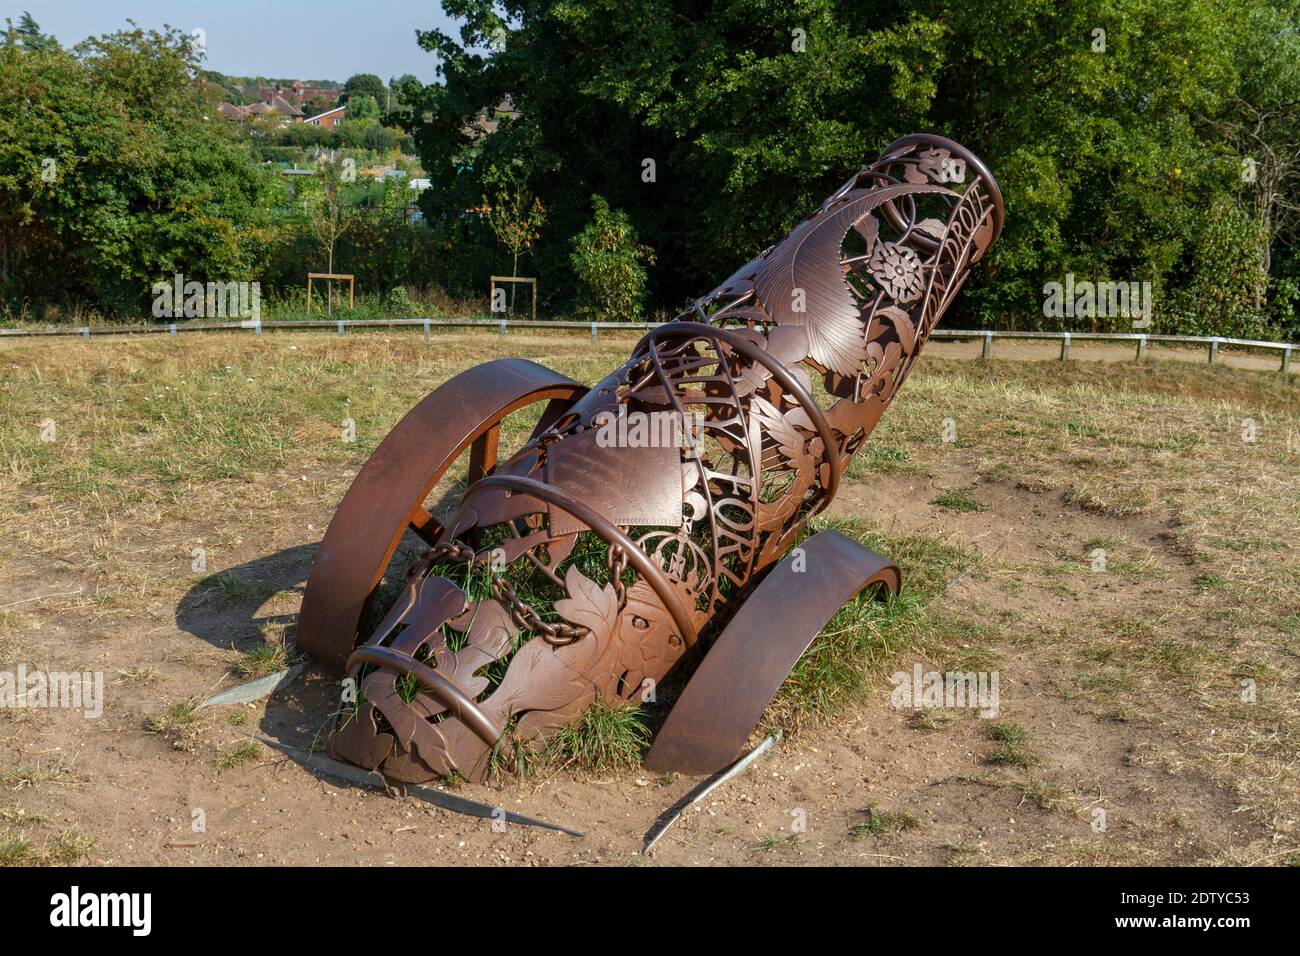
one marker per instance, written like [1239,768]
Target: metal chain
[617,565]
[527,618]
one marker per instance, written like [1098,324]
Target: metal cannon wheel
[387,498]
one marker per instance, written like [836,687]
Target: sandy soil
[136,796]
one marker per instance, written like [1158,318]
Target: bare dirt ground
[1125,733]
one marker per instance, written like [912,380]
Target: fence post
[1142,347]
[85,331]
[1214,350]
[426,330]
[340,326]
[988,345]
[503,326]
[593,331]
[1065,346]
[171,329]
[1286,360]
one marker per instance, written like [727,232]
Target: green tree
[1260,124]
[331,213]
[608,262]
[515,215]
[115,173]
[361,108]
[365,84]
[28,34]
[716,125]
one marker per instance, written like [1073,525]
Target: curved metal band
[972,161]
[783,377]
[458,703]
[725,698]
[606,529]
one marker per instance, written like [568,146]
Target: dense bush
[607,261]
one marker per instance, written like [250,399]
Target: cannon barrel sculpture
[649,523]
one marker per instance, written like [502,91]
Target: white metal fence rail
[1212,343]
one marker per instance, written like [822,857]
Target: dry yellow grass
[234,445]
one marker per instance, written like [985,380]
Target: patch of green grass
[1012,741]
[1044,795]
[959,500]
[774,840]
[933,718]
[1179,656]
[178,724]
[407,686]
[837,669]
[265,658]
[245,751]
[1006,731]
[1130,628]
[25,777]
[607,738]
[1207,582]
[19,815]
[15,850]
[1179,442]
[1106,682]
[881,823]
[879,459]
[69,847]
[1082,429]
[868,636]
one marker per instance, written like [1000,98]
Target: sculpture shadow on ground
[238,607]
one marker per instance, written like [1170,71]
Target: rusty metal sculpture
[600,557]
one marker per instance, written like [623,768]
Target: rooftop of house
[488,121]
[317,118]
[277,107]
[298,92]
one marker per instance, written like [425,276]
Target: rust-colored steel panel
[744,668]
[628,485]
[600,557]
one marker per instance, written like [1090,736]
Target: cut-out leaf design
[933,228]
[809,259]
[902,325]
[787,438]
[588,604]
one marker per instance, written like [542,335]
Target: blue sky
[303,39]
